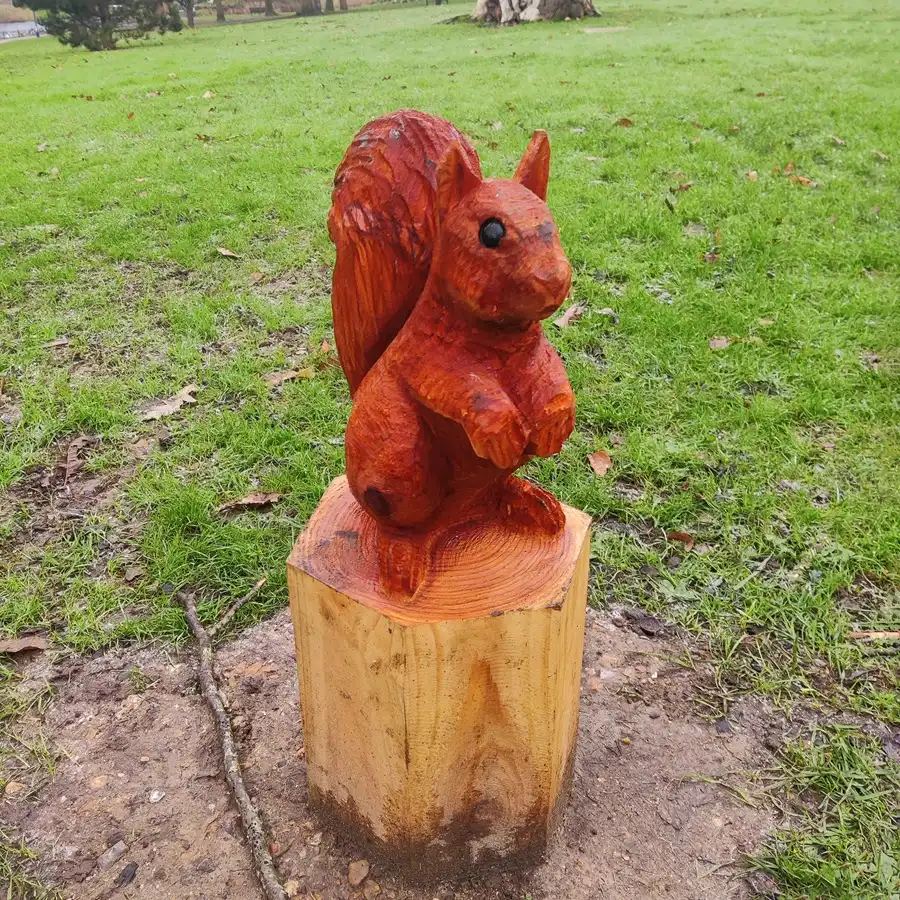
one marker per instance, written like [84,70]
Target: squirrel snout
[551,285]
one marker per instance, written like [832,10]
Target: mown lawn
[122,173]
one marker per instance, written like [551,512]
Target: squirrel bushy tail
[383,222]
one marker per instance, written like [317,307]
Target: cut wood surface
[442,727]
[477,569]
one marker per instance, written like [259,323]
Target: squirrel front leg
[551,403]
[473,399]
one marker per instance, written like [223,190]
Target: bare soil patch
[51,501]
[138,771]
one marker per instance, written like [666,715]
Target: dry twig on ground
[253,828]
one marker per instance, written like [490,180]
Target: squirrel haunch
[440,284]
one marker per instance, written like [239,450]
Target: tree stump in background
[443,728]
[511,12]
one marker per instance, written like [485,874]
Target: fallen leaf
[624,122]
[766,322]
[273,379]
[752,175]
[254,500]
[802,179]
[89,98]
[204,137]
[594,684]
[140,180]
[734,129]
[719,343]
[133,573]
[711,257]
[154,93]
[760,93]
[209,95]
[224,251]
[683,538]
[789,168]
[59,342]
[71,464]
[838,141]
[24,644]
[881,155]
[41,148]
[162,408]
[575,311]
[600,462]
[685,187]
[131,115]
[326,347]
[256,277]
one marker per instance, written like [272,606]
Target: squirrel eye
[491,233]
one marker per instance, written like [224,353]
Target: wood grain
[444,728]
[441,282]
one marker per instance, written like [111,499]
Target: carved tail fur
[383,222]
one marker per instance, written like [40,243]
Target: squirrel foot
[529,505]
[402,562]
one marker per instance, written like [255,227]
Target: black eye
[491,232]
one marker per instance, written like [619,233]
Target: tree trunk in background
[310,7]
[270,10]
[329,6]
[189,12]
[220,11]
[510,12]
[344,5]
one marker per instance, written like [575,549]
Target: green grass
[845,843]
[779,454]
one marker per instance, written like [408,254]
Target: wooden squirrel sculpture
[441,280]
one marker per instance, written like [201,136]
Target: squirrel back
[383,222]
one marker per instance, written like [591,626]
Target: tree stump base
[441,727]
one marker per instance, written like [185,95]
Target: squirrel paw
[553,427]
[402,563]
[499,436]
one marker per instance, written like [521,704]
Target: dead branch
[253,828]
[874,636]
[235,607]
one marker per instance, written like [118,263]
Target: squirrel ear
[534,169]
[455,178]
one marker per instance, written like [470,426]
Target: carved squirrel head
[498,255]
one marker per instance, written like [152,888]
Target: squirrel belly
[445,417]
